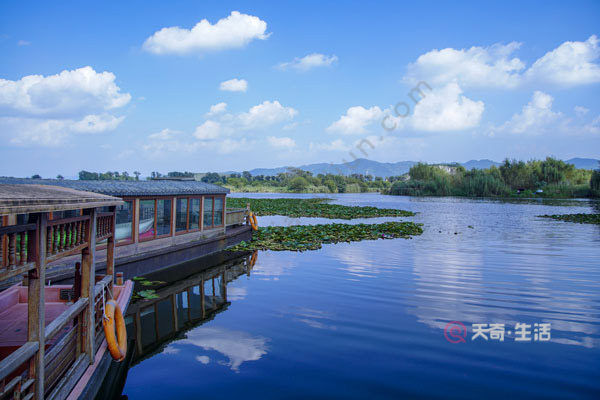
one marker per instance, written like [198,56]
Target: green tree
[298,184]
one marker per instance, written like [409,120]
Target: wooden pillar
[202,213]
[88,277]
[135,220]
[173,202]
[110,249]
[138,332]
[174,309]
[36,326]
[224,287]
[202,298]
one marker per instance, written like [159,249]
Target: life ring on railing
[253,221]
[114,330]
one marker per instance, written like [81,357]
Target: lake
[371,319]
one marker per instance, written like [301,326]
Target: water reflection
[185,304]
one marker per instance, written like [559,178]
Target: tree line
[547,178]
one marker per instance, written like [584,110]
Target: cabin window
[163,217]
[181,215]
[218,214]
[65,214]
[124,218]
[194,214]
[146,224]
[208,211]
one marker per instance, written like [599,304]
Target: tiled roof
[128,188]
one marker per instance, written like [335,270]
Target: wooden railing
[104,226]
[67,334]
[66,237]
[17,250]
[101,288]
[15,381]
[235,216]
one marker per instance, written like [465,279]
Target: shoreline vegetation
[550,178]
[319,208]
[312,237]
[576,218]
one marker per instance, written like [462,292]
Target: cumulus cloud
[234,85]
[335,145]
[237,30]
[309,61]
[45,110]
[535,117]
[265,114]
[225,133]
[570,64]
[580,111]
[209,130]
[446,109]
[281,142]
[165,134]
[217,109]
[356,120]
[474,67]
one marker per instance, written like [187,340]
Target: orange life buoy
[253,258]
[114,330]
[253,221]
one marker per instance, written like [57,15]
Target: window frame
[187,220]
[171,224]
[213,226]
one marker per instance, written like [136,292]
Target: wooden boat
[52,342]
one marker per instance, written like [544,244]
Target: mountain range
[375,168]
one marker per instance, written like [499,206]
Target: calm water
[366,320]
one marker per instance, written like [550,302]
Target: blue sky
[117,86]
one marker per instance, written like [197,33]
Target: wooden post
[135,220]
[138,333]
[110,249]
[174,309]
[202,298]
[224,287]
[36,326]
[88,277]
[201,213]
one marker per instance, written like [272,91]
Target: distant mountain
[375,168]
[584,163]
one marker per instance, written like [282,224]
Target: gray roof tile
[128,188]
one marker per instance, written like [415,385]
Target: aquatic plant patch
[577,218]
[312,237]
[312,208]
[146,294]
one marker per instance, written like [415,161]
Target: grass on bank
[577,218]
[312,208]
[312,237]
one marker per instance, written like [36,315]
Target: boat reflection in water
[187,296]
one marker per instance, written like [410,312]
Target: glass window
[218,211]
[163,217]
[146,225]
[194,213]
[123,221]
[208,209]
[181,209]
[67,214]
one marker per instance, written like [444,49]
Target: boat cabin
[52,343]
[155,216]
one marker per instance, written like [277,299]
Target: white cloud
[356,120]
[335,145]
[535,118]
[165,134]
[446,109]
[23,43]
[209,130]
[580,111]
[310,61]
[265,114]
[217,109]
[45,110]
[281,142]
[235,31]
[97,123]
[234,85]
[475,67]
[69,93]
[570,64]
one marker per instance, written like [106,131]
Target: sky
[220,86]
